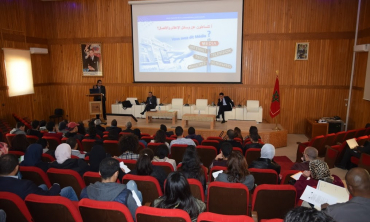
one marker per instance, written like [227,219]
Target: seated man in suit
[113,127]
[151,103]
[9,182]
[224,104]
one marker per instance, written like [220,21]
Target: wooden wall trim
[298,36]
[358,88]
[364,33]
[22,38]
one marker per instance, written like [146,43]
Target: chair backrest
[208,216]
[285,176]
[177,103]
[278,199]
[166,166]
[206,154]
[201,104]
[53,142]
[52,208]
[9,138]
[145,214]
[360,132]
[47,158]
[219,139]
[361,140]
[238,140]
[219,201]
[177,152]
[111,147]
[264,176]
[238,149]
[148,186]
[66,178]
[330,139]
[364,161]
[169,140]
[253,105]
[16,153]
[91,177]
[214,169]
[252,154]
[195,141]
[350,134]
[317,141]
[147,139]
[131,164]
[99,211]
[340,137]
[35,174]
[196,189]
[14,207]
[154,146]
[213,143]
[88,144]
[32,139]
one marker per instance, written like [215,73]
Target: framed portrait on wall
[91,59]
[301,51]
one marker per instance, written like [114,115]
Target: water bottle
[198,111]
[159,108]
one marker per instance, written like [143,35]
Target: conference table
[198,117]
[161,113]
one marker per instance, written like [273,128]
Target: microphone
[161,104]
[187,104]
[240,104]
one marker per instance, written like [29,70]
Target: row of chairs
[22,120]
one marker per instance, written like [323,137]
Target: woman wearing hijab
[64,161]
[319,170]
[266,160]
[3,148]
[32,157]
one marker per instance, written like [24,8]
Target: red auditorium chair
[196,189]
[219,201]
[66,178]
[361,140]
[177,152]
[252,154]
[219,139]
[14,207]
[334,154]
[88,144]
[350,134]
[154,146]
[339,138]
[148,186]
[147,139]
[363,162]
[285,176]
[367,132]
[327,141]
[238,140]
[131,164]
[205,170]
[53,142]
[35,174]
[87,135]
[238,149]
[169,140]
[278,199]
[167,167]
[99,211]
[144,134]
[214,169]
[213,143]
[264,176]
[196,142]
[315,142]
[32,139]
[208,216]
[91,177]
[360,132]
[206,154]
[54,208]
[330,139]
[47,158]
[16,153]
[145,214]
[9,138]
[105,132]
[111,147]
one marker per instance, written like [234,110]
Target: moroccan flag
[275,103]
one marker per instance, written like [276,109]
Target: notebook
[352,143]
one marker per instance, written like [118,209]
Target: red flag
[275,103]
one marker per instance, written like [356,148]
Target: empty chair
[201,106]
[177,105]
[350,135]
[252,154]
[315,142]
[66,178]
[9,138]
[206,154]
[91,177]
[213,143]
[88,144]
[14,207]
[99,211]
[208,216]
[264,176]
[285,176]
[339,138]
[334,154]
[32,139]
[328,140]
[360,132]
[35,174]
[111,147]
[196,189]
[177,152]
[53,142]
[145,214]
[54,208]
[167,167]
[361,140]
[148,186]
[219,139]
[219,198]
[253,111]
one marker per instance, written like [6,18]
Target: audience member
[45,146]
[19,129]
[160,137]
[9,182]
[266,160]
[358,207]
[191,166]
[304,214]
[128,128]
[319,170]
[19,143]
[144,167]
[238,133]
[252,131]
[64,160]
[162,156]
[72,142]
[62,128]
[180,139]
[35,129]
[4,149]
[73,131]
[230,139]
[346,163]
[192,135]
[97,123]
[164,128]
[221,158]
[137,133]
[252,143]
[113,135]
[81,128]
[93,135]
[42,127]
[237,171]
[309,154]
[129,145]
[177,195]
[50,126]
[114,127]
[33,157]
[109,190]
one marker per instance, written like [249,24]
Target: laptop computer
[94,91]
[137,102]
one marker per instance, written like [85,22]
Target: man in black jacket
[224,104]
[99,85]
[356,152]
[151,103]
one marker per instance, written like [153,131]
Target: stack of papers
[124,167]
[215,174]
[352,143]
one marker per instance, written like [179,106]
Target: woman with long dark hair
[177,195]
[145,167]
[191,166]
[160,137]
[237,171]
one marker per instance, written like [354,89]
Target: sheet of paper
[124,167]
[296,176]
[352,143]
[317,197]
[136,198]
[215,174]
[338,192]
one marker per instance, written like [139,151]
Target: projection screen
[187,41]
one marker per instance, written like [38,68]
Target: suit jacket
[356,209]
[24,187]
[153,99]
[93,63]
[102,90]
[228,101]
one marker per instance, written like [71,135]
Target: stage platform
[265,130]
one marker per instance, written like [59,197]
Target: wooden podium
[95,107]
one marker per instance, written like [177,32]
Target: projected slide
[188,43]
